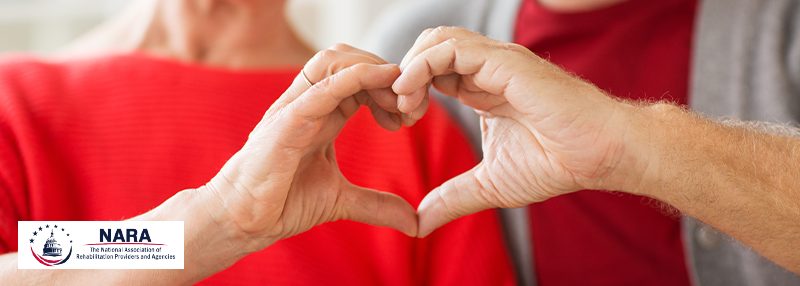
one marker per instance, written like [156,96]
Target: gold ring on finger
[305,78]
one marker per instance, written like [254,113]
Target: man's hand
[545,133]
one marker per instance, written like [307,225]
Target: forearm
[742,181]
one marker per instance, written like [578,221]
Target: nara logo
[51,245]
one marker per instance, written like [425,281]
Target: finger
[453,199]
[388,120]
[385,98]
[437,60]
[485,68]
[408,102]
[434,36]
[349,106]
[322,98]
[350,49]
[377,208]
[324,64]
[294,90]
[416,79]
[453,84]
[416,48]
[411,118]
[297,124]
[447,84]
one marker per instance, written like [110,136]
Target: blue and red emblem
[51,247]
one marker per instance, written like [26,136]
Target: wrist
[211,243]
[650,141]
[636,148]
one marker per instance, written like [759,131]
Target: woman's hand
[545,133]
[285,180]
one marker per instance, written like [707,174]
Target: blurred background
[46,25]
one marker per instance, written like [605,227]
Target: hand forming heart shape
[545,133]
[286,180]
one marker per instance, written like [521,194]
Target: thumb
[377,208]
[455,198]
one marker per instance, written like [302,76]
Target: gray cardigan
[746,63]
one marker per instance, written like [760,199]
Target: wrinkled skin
[286,180]
[544,132]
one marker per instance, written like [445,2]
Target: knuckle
[326,56]
[451,31]
[425,33]
[513,47]
[453,42]
[442,31]
[360,67]
[322,60]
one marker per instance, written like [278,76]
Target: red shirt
[640,50]
[112,137]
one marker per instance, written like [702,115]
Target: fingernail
[400,99]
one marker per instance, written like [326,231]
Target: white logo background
[164,251]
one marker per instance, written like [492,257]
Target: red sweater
[638,50]
[110,138]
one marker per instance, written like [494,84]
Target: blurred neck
[235,34]
[574,6]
